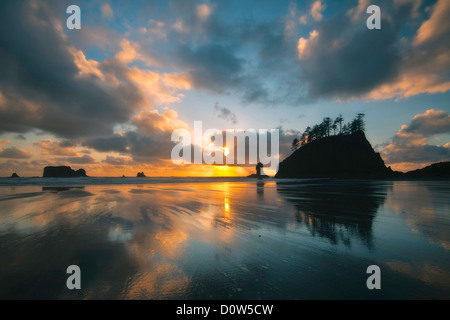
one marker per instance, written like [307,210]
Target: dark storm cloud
[39,79]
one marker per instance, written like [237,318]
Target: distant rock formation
[436,170]
[140,175]
[63,172]
[258,174]
[14,175]
[254,175]
[349,156]
[259,166]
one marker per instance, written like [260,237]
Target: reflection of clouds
[153,224]
[170,241]
[147,233]
[117,234]
[427,273]
[424,207]
[164,280]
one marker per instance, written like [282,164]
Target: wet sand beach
[225,239]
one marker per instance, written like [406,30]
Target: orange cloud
[49,147]
[303,45]
[409,148]
[317,9]
[438,24]
[107,11]
[203,11]
[151,121]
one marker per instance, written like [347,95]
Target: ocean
[224,238]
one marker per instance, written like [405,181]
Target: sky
[108,97]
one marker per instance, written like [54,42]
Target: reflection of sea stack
[14,175]
[141,175]
[63,172]
[258,170]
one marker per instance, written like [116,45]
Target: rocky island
[63,172]
[340,156]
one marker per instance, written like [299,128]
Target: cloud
[225,114]
[117,161]
[303,19]
[131,51]
[50,147]
[290,21]
[212,66]
[20,137]
[411,143]
[204,11]
[14,153]
[303,45]
[429,123]
[150,141]
[86,159]
[107,11]
[358,13]
[347,61]
[45,91]
[317,9]
[437,26]
[65,93]
[425,62]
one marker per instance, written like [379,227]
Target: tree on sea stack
[323,130]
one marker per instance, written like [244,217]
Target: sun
[226,151]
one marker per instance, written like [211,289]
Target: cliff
[349,156]
[63,172]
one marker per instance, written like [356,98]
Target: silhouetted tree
[295,144]
[323,129]
[357,124]
[326,123]
[339,120]
[346,129]
[334,127]
[307,134]
[361,124]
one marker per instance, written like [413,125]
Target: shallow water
[225,239]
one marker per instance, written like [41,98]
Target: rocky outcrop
[436,170]
[14,175]
[349,156]
[140,175]
[63,172]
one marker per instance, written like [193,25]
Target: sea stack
[14,175]
[343,156]
[63,172]
[258,170]
[140,175]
